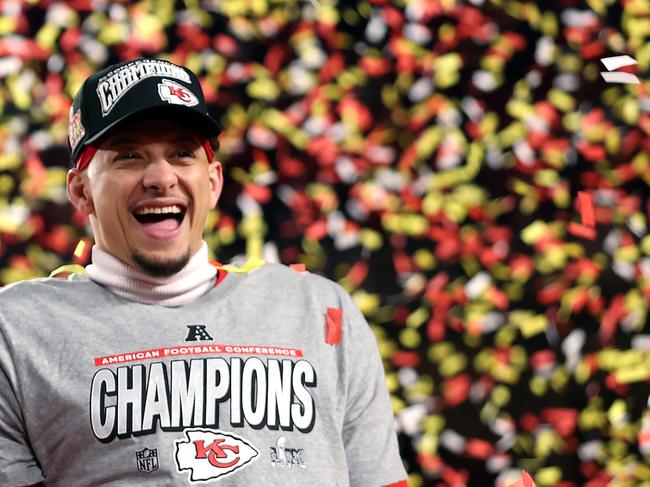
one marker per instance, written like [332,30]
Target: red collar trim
[221,273]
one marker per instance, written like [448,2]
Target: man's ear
[215,173]
[78,191]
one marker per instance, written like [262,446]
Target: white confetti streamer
[616,77]
[615,62]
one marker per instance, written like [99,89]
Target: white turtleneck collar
[192,281]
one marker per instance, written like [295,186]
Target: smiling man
[157,367]
[161,187]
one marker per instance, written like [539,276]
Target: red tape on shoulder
[401,483]
[333,332]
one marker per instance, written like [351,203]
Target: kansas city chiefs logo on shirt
[210,454]
[176,94]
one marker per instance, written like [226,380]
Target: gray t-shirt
[239,387]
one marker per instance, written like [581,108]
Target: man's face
[148,190]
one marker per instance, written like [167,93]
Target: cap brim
[202,122]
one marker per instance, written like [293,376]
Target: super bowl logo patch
[147,460]
[211,454]
[75,129]
[283,456]
[176,94]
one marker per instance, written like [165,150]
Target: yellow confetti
[538,386]
[561,100]
[635,373]
[428,443]
[500,395]
[452,364]
[438,351]
[418,317]
[366,302]
[616,413]
[629,253]
[410,338]
[533,232]
[7,25]
[547,442]
[47,36]
[79,249]
[528,323]
[249,266]
[548,476]
[68,269]
[592,418]
[263,89]
[546,178]
[428,141]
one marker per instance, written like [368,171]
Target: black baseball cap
[130,88]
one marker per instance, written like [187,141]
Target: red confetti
[591,152]
[612,316]
[586,208]
[225,44]
[317,230]
[582,231]
[542,358]
[456,389]
[406,359]
[477,448]
[358,273]
[26,49]
[564,419]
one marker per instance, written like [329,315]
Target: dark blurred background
[428,155]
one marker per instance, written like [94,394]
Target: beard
[158,268]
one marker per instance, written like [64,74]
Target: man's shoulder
[40,287]
[292,277]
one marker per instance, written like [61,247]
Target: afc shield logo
[147,460]
[211,454]
[176,94]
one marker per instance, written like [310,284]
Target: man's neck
[183,287]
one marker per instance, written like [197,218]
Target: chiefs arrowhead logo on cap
[176,94]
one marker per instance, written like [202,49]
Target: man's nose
[159,175]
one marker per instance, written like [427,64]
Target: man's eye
[184,153]
[127,155]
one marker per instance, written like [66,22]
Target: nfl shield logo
[147,460]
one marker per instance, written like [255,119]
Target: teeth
[165,209]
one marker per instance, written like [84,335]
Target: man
[156,367]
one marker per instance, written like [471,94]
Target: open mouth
[159,221]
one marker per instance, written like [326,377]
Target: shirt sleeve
[18,465]
[369,433]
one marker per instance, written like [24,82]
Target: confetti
[448,163]
[586,208]
[615,62]
[616,77]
